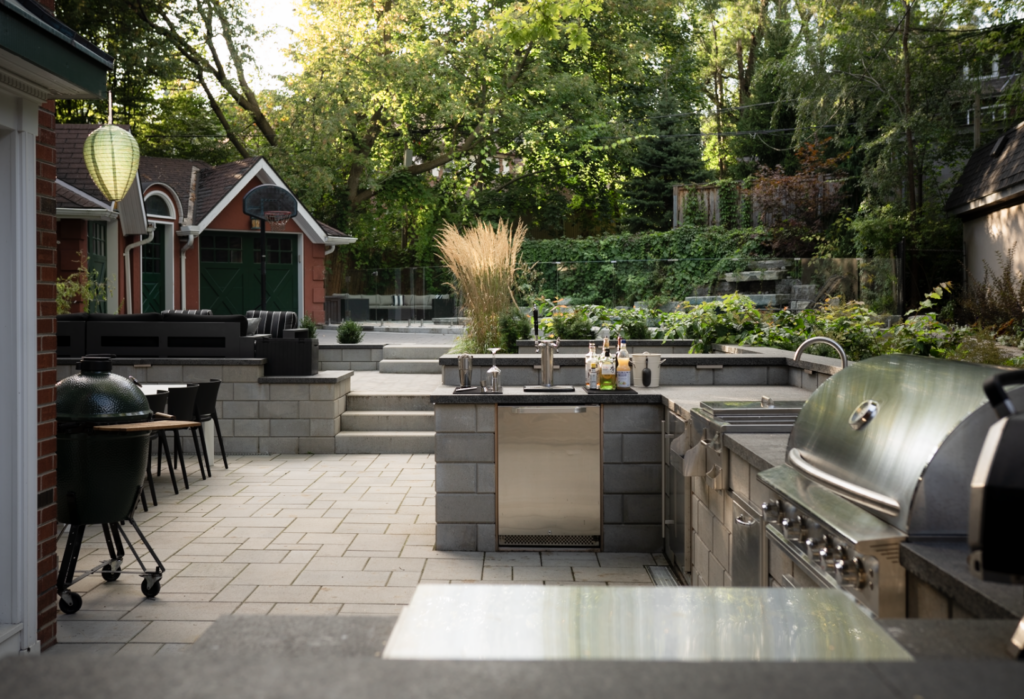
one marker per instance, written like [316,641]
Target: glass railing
[888,285]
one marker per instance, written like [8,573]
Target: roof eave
[1007,196]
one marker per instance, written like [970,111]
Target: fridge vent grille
[572,540]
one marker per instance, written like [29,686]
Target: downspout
[184,249]
[191,236]
[150,234]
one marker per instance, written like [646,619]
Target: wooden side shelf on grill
[148,426]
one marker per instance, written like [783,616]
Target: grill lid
[97,396]
[898,435]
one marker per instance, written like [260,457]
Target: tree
[882,78]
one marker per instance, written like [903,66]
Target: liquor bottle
[623,372]
[606,369]
[590,367]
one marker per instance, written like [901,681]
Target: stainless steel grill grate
[552,540]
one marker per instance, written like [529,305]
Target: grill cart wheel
[149,590]
[70,607]
[109,574]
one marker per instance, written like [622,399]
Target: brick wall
[46,309]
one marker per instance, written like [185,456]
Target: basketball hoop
[276,220]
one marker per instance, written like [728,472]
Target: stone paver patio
[317,534]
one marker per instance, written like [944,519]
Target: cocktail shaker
[466,370]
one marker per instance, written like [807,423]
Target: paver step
[409,366]
[388,401]
[387,420]
[377,442]
[415,351]
[756,275]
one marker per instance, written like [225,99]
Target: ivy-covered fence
[619,270]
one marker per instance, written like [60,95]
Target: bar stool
[181,404]
[158,404]
[205,411]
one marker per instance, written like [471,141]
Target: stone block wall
[632,478]
[350,357]
[257,414]
[464,477]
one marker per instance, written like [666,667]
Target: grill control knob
[771,510]
[792,528]
[812,544]
[850,573]
[824,558]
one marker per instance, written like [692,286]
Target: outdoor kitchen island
[631,458]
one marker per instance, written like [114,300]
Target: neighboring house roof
[216,186]
[332,231]
[215,183]
[993,175]
[70,198]
[174,173]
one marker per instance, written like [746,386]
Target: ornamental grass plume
[484,261]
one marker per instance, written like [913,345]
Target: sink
[752,416]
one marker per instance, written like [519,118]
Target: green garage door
[229,272]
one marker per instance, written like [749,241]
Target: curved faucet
[823,341]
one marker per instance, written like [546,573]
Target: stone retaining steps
[412,359]
[386,423]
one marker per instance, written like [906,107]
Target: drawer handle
[551,409]
[745,521]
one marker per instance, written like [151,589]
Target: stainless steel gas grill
[882,452]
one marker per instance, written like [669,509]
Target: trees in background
[576,116]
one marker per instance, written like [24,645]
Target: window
[279,251]
[156,205]
[221,248]
[153,253]
[97,239]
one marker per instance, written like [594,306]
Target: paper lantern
[112,157]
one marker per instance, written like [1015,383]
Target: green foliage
[309,324]
[727,321]
[624,269]
[571,325]
[513,326]
[84,286]
[350,333]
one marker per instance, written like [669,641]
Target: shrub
[572,326]
[998,300]
[309,324]
[84,286]
[484,261]
[350,333]
[513,326]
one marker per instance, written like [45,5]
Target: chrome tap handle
[821,341]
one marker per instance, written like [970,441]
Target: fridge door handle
[540,409]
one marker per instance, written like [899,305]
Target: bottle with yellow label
[623,372]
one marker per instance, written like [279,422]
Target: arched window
[157,204]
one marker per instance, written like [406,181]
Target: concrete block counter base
[257,414]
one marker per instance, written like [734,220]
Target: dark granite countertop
[515,395]
[349,346]
[266,676]
[173,361]
[533,359]
[675,398]
[961,639]
[762,451]
[942,563]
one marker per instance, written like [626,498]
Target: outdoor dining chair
[181,404]
[206,411]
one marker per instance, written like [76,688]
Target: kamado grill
[100,471]
[881,452]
